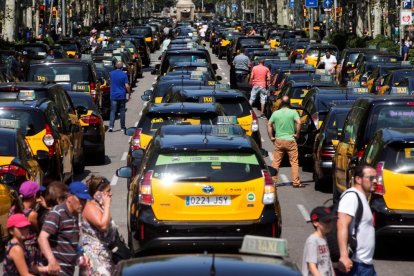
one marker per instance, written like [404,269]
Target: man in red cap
[316,257]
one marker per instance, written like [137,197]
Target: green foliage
[339,39]
[382,42]
[356,42]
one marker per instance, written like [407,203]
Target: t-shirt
[329,63]
[241,61]
[63,229]
[317,251]
[260,75]
[118,81]
[366,231]
[283,121]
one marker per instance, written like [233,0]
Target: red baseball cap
[17,220]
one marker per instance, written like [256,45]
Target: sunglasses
[372,178]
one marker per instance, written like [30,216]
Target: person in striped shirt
[59,237]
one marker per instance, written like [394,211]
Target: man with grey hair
[119,88]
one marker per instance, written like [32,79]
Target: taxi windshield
[209,166]
[335,123]
[30,121]
[238,107]
[395,116]
[8,146]
[299,93]
[74,73]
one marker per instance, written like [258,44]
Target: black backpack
[332,237]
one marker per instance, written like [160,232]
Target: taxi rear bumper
[153,233]
[391,222]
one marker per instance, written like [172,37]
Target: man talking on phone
[119,88]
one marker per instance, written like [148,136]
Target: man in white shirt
[365,178]
[329,61]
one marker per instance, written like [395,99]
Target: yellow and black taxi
[225,42]
[34,50]
[146,32]
[367,115]
[393,79]
[143,48]
[314,52]
[64,107]
[405,86]
[257,255]
[134,54]
[391,153]
[315,107]
[161,88]
[92,124]
[243,41]
[42,127]
[201,186]
[346,63]
[73,74]
[17,165]
[234,103]
[188,68]
[374,78]
[71,47]
[326,139]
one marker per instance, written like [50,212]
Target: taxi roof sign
[264,246]
[107,54]
[222,130]
[308,66]
[26,95]
[399,90]
[86,57]
[301,61]
[65,77]
[353,84]
[320,71]
[201,60]
[326,78]
[360,90]
[226,120]
[9,123]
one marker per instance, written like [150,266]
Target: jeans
[291,148]
[117,105]
[359,269]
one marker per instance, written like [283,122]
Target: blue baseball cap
[80,190]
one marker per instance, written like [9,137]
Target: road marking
[284,178]
[114,180]
[136,124]
[124,156]
[270,156]
[226,78]
[304,212]
[262,139]
[140,113]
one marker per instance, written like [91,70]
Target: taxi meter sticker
[399,90]
[8,123]
[27,95]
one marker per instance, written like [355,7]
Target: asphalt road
[395,257]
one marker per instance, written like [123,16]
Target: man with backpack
[353,218]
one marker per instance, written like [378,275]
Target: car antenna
[213,267]
[182,82]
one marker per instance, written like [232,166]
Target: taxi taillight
[136,139]
[379,188]
[14,170]
[49,140]
[145,189]
[255,123]
[91,119]
[269,188]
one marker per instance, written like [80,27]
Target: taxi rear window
[299,93]
[8,145]
[335,124]
[31,122]
[399,158]
[152,124]
[76,72]
[394,116]
[238,107]
[208,166]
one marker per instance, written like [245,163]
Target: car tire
[101,157]
[140,75]
[318,182]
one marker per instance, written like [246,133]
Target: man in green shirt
[285,122]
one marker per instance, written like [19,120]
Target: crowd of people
[53,230]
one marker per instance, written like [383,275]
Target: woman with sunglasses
[97,228]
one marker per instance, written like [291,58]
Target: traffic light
[42,11]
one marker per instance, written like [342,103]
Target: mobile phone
[98,196]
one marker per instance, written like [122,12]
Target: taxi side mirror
[42,155]
[148,92]
[124,172]
[145,98]
[81,110]
[219,78]
[272,171]
[130,131]
[264,152]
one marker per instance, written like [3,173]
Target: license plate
[207,200]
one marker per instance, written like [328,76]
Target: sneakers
[110,129]
[123,130]
[262,116]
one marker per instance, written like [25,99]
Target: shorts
[262,91]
